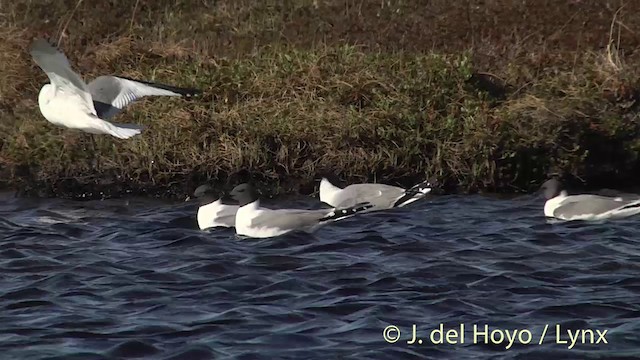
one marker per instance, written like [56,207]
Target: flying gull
[68,102]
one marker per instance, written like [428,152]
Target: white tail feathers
[123,131]
[126,133]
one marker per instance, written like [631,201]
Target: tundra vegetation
[486,95]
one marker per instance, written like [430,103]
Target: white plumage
[381,196]
[255,221]
[68,102]
[562,206]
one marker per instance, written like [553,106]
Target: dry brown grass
[365,89]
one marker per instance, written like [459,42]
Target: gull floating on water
[258,222]
[584,207]
[68,102]
[214,212]
[381,196]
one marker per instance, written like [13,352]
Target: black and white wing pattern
[112,93]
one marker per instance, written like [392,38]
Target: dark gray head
[551,188]
[205,194]
[244,194]
[202,190]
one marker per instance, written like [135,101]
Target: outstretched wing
[56,65]
[112,93]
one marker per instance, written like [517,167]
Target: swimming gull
[381,196]
[214,211]
[258,222]
[68,102]
[562,206]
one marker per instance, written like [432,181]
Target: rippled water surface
[136,279]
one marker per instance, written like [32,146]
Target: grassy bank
[486,97]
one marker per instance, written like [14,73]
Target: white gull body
[68,102]
[217,214]
[213,211]
[381,196]
[254,221]
[562,206]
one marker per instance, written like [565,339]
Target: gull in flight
[68,102]
[255,221]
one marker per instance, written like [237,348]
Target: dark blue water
[136,279]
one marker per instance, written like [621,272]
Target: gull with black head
[255,221]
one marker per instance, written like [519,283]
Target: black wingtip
[408,196]
[338,214]
[430,183]
[185,92]
[416,191]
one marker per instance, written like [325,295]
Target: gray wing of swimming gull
[589,204]
[112,93]
[228,215]
[289,219]
[381,196]
[293,219]
[227,219]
